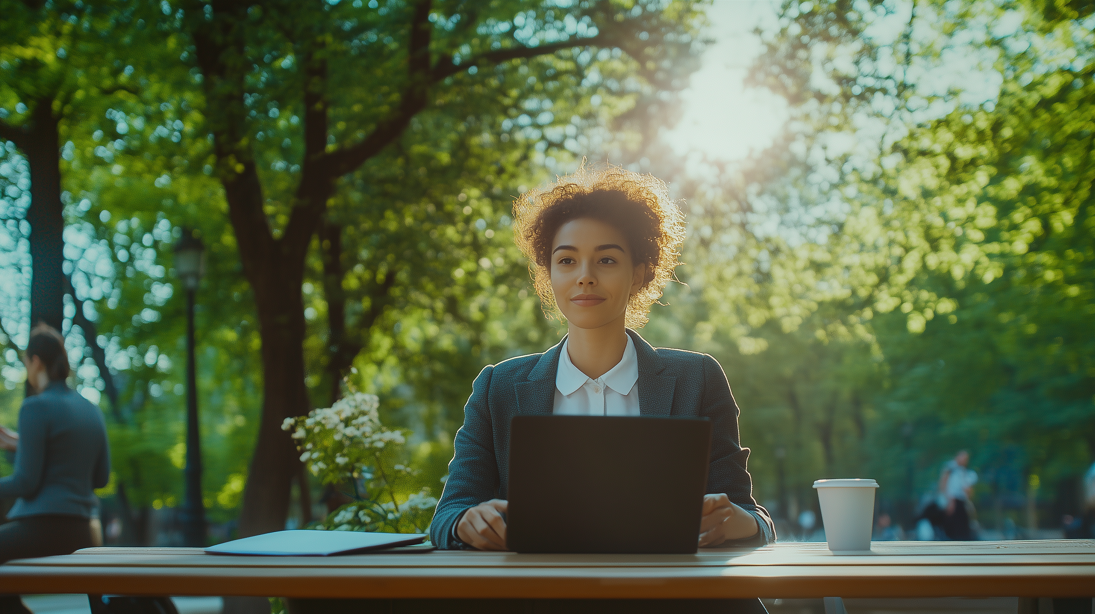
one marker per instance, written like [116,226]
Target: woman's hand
[482,527]
[723,521]
[9,439]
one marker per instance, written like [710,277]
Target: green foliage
[908,271]
[347,444]
[428,285]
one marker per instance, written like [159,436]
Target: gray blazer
[63,455]
[671,382]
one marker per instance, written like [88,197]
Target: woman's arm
[473,471]
[727,473]
[9,439]
[30,458]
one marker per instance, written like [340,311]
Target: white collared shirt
[615,393]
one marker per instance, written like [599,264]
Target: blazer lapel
[655,390]
[536,396]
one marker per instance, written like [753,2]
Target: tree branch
[316,182]
[514,53]
[114,89]
[216,44]
[98,354]
[414,99]
[15,134]
[346,160]
[418,56]
[10,342]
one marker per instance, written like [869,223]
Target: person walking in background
[956,488]
[1083,526]
[61,456]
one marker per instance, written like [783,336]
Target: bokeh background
[891,234]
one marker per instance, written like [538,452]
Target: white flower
[304,457]
[420,501]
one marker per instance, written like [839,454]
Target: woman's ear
[642,276]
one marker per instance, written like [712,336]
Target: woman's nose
[586,278]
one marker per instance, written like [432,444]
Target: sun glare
[723,119]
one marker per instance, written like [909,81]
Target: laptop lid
[606,485]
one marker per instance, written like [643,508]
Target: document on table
[319,543]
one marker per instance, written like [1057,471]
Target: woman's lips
[587,300]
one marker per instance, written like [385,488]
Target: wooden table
[894,569]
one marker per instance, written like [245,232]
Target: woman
[61,457]
[603,246]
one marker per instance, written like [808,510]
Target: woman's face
[35,371]
[592,273]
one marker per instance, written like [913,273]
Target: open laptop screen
[594,484]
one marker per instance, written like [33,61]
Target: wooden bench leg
[1081,605]
[1045,605]
[120,604]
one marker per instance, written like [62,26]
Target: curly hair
[637,205]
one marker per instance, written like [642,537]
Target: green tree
[937,213]
[347,82]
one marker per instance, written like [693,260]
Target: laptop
[606,484]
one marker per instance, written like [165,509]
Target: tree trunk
[45,217]
[341,351]
[281,321]
[274,267]
[277,287]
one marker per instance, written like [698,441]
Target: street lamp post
[784,510]
[190,266]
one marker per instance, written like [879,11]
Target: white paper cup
[847,509]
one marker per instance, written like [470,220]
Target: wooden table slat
[895,569]
[418,561]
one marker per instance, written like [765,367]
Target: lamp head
[190,259]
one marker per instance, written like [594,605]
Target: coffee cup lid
[846,483]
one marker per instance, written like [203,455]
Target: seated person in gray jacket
[603,244]
[61,456]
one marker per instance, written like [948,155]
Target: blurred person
[949,509]
[807,519]
[61,456]
[956,483]
[1083,526]
[887,531]
[602,245]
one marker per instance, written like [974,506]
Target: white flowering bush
[347,446]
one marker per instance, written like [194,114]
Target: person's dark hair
[637,205]
[49,346]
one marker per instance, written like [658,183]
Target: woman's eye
[607,260]
[566,261]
